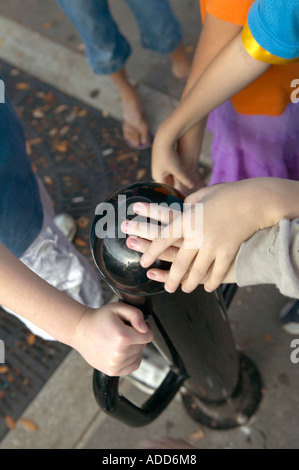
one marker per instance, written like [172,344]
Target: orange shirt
[271,92]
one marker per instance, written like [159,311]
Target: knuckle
[225,253]
[208,245]
[121,342]
[197,272]
[137,363]
[112,370]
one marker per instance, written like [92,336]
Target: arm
[99,335]
[190,144]
[232,213]
[182,171]
[229,72]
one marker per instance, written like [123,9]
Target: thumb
[134,316]
[183,177]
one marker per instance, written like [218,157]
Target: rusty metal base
[234,412]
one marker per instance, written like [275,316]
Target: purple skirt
[249,146]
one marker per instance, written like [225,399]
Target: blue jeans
[21,214]
[106,48]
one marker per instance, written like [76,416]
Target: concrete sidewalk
[39,39]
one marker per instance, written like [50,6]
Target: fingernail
[144,326]
[137,207]
[132,242]
[151,275]
[124,225]
[168,289]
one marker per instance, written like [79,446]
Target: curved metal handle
[108,398]
[106,392]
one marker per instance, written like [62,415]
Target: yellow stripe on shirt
[258,52]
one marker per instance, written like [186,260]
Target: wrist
[78,333]
[284,199]
[165,137]
[271,199]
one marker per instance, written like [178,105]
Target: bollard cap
[119,265]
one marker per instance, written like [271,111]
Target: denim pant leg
[21,214]
[106,48]
[160,30]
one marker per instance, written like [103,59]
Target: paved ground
[36,37]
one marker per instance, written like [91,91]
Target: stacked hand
[201,253]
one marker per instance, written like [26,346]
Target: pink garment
[248,146]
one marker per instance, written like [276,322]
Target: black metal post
[220,387]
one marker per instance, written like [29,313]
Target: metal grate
[29,362]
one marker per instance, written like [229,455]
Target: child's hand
[166,163]
[107,343]
[232,212]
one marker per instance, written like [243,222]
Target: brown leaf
[267,338]
[64,130]
[29,424]
[22,86]
[30,339]
[10,422]
[28,148]
[3,369]
[14,72]
[82,113]
[49,97]
[59,109]
[62,146]
[52,132]
[1,42]
[48,180]
[48,24]
[140,173]
[79,242]
[38,113]
[196,436]
[35,141]
[83,221]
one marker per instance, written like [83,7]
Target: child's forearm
[231,70]
[209,46]
[23,292]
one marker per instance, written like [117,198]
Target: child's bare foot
[181,64]
[135,127]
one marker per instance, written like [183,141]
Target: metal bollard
[220,387]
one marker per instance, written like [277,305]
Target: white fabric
[271,256]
